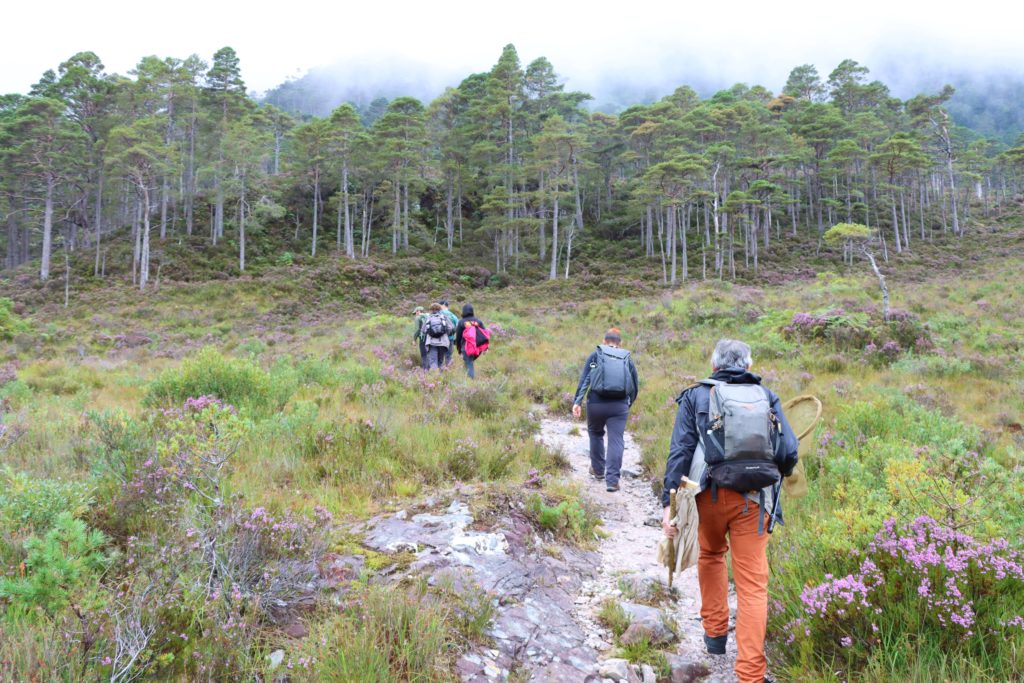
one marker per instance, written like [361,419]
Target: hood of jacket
[467,311]
[736,376]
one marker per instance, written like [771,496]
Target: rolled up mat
[803,413]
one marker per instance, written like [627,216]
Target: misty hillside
[988,102]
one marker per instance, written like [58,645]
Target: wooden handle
[673,508]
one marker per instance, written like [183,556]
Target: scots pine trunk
[241,226]
[896,226]
[553,273]
[316,210]
[44,267]
[396,220]
[144,255]
[405,217]
[540,214]
[350,243]
[670,233]
[190,173]
[98,221]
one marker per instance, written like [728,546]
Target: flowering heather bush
[881,356]
[922,578]
[861,329]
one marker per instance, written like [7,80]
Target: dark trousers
[423,354]
[469,365]
[435,357]
[610,416]
[448,355]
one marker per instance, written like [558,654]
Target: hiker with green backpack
[609,384]
[732,438]
[451,337]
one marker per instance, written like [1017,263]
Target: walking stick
[673,511]
[775,508]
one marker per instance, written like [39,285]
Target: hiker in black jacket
[460,329]
[733,521]
[608,405]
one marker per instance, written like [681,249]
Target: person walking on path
[739,479]
[455,322]
[470,324]
[436,329]
[609,384]
[419,315]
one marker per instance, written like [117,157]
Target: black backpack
[744,437]
[437,326]
[609,373]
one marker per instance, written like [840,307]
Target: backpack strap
[760,513]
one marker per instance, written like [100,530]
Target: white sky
[588,42]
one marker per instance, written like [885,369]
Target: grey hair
[730,353]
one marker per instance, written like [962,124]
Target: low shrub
[60,567]
[567,518]
[240,382]
[31,504]
[934,366]
[382,636]
[11,324]
[954,593]
[613,617]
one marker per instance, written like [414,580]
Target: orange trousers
[726,517]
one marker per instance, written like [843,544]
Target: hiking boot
[716,645]
[595,475]
[612,488]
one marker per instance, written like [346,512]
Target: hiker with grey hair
[609,383]
[731,437]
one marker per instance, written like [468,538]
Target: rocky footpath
[546,596]
[629,572]
[533,633]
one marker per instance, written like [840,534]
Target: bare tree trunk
[396,221]
[241,226]
[896,226]
[164,193]
[44,267]
[350,242]
[144,267]
[190,171]
[218,209]
[670,233]
[903,216]
[405,217]
[553,273]
[650,231]
[682,238]
[540,215]
[881,282]
[316,211]
[338,228]
[98,221]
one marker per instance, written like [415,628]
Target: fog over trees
[509,162]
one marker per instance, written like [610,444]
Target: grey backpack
[743,440]
[610,376]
